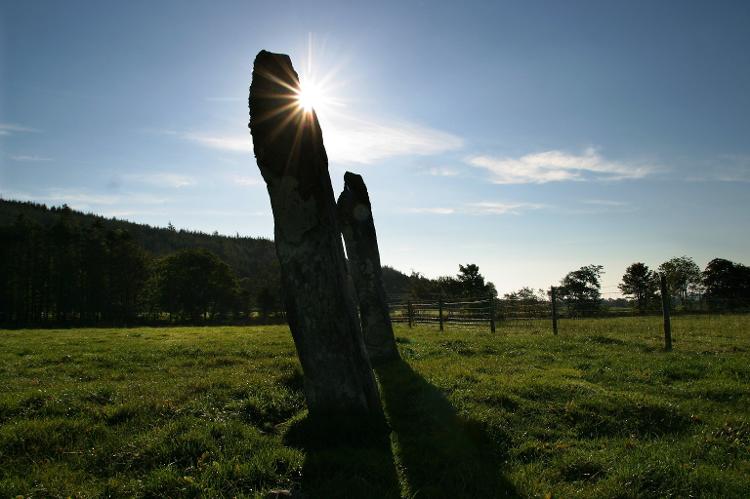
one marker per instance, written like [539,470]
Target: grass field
[598,411]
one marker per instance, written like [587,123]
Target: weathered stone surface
[358,227]
[322,316]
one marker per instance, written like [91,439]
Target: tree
[641,283]
[128,272]
[526,295]
[727,284]
[580,289]
[471,283]
[396,283]
[95,282]
[267,302]
[683,276]
[57,264]
[65,266]
[195,284]
[420,286]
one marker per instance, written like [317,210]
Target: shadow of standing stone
[438,453]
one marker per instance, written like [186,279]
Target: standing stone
[288,146]
[358,228]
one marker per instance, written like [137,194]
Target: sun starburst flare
[303,99]
[314,95]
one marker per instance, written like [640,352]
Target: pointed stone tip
[267,60]
[353,180]
[271,86]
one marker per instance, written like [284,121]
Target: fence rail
[468,312]
[495,312]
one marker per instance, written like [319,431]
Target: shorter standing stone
[357,226]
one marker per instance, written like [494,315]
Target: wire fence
[555,315]
[469,312]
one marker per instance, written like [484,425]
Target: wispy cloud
[29,158]
[722,168]
[481,208]
[11,128]
[355,140]
[493,208]
[162,179]
[599,207]
[440,171]
[245,181]
[432,211]
[83,200]
[348,140]
[234,143]
[604,202]
[558,166]
[731,168]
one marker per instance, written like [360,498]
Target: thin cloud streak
[605,202]
[492,208]
[724,168]
[442,172]
[162,179]
[246,181]
[84,200]
[349,140]
[601,207]
[481,208]
[558,166]
[734,168]
[432,211]
[28,158]
[11,128]
[363,141]
[231,143]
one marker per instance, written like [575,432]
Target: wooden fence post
[492,314]
[440,314]
[552,294]
[665,311]
[410,312]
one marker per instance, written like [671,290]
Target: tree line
[59,266]
[722,286]
[467,283]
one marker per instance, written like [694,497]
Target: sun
[317,91]
[309,96]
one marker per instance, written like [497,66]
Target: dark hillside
[248,256]
[60,265]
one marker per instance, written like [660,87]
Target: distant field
[597,411]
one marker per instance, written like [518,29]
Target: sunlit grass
[599,410]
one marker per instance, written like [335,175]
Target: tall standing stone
[358,228]
[322,315]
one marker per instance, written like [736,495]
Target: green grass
[599,410]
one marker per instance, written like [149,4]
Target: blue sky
[529,137]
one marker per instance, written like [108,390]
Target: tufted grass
[598,411]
